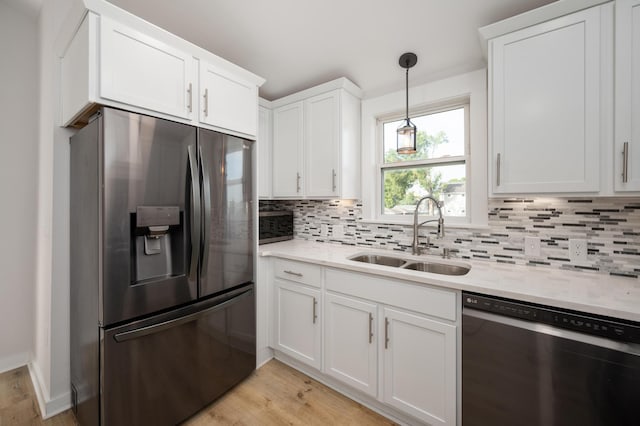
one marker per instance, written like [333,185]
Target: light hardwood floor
[274,395]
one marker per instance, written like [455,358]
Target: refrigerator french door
[171,365]
[161,235]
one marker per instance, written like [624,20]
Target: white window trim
[431,162]
[471,86]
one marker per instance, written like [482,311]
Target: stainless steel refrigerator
[162,245]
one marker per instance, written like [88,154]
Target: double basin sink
[412,264]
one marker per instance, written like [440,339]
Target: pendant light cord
[407,92]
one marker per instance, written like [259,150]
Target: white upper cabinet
[316,142]
[545,99]
[140,71]
[119,60]
[322,138]
[226,101]
[263,152]
[627,117]
[287,150]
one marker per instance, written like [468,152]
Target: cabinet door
[545,106]
[227,101]
[297,322]
[138,70]
[627,128]
[287,150]
[322,141]
[263,152]
[350,346]
[420,367]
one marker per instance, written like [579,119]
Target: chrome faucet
[414,248]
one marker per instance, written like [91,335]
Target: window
[439,167]
[465,91]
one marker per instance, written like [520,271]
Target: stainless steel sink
[437,268]
[379,260]
[412,264]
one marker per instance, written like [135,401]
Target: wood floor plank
[279,395]
[274,395]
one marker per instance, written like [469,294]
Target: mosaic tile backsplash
[611,227]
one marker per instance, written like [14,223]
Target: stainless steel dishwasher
[526,364]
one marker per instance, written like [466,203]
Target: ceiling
[296,44]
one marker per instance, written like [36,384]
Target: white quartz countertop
[591,292]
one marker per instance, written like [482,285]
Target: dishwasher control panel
[611,328]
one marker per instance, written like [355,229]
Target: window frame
[471,85]
[381,166]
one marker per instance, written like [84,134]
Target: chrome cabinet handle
[315,316]
[370,327]
[498,171]
[333,181]
[297,274]
[206,102]
[625,162]
[297,182]
[386,333]
[190,92]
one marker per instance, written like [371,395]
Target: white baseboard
[49,407]
[263,356]
[13,361]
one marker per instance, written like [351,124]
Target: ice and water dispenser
[158,239]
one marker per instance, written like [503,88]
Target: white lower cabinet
[389,343]
[350,350]
[420,366]
[297,330]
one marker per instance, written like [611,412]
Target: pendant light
[406,143]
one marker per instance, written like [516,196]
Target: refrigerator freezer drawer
[164,369]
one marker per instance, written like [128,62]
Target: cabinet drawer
[304,273]
[416,297]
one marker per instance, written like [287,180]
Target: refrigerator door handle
[165,325]
[195,214]
[206,197]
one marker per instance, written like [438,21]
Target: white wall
[50,365]
[18,177]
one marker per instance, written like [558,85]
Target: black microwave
[275,226]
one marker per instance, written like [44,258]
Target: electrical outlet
[338,231]
[578,250]
[532,246]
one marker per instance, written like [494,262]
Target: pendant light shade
[406,142]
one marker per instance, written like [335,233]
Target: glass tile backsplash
[611,227]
